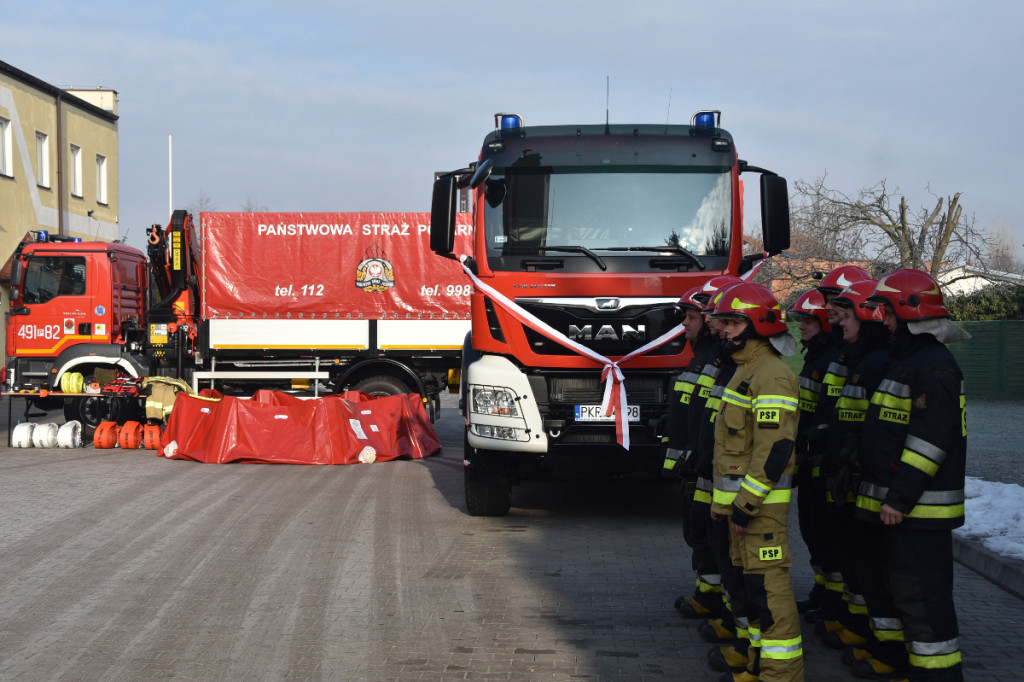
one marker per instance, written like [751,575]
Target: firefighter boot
[874,669]
[712,630]
[840,639]
[701,605]
[728,658]
[745,676]
[852,654]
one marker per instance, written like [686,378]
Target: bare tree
[252,205]
[1003,249]
[878,223]
[202,204]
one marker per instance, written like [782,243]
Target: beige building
[58,163]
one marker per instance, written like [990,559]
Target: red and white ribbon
[614,402]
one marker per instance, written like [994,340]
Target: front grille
[612,333]
[643,389]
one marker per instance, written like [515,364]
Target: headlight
[494,401]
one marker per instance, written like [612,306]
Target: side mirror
[774,213]
[482,172]
[442,215]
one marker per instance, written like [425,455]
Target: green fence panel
[993,359]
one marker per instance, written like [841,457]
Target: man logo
[607,304]
[607,333]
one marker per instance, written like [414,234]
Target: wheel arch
[378,367]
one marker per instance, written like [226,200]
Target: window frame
[101,180]
[6,148]
[42,160]
[76,171]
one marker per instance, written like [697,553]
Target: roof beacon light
[42,236]
[507,121]
[707,119]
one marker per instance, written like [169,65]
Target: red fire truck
[241,301]
[584,238]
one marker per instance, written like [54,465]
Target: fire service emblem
[375,272]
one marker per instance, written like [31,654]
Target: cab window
[47,277]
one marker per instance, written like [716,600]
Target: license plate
[592,413]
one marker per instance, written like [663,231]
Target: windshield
[529,211]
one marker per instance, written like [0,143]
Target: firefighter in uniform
[825,614]
[729,632]
[821,349]
[754,463]
[706,600]
[913,454]
[867,360]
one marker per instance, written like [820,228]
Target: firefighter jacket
[754,437]
[822,350]
[913,451]
[721,368]
[867,363]
[685,401]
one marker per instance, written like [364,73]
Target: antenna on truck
[607,99]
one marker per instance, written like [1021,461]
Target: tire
[45,436]
[93,410]
[69,435]
[381,385]
[21,436]
[488,490]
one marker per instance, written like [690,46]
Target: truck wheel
[91,411]
[381,385]
[488,490]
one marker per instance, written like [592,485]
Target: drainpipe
[60,167]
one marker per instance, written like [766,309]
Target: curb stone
[1003,571]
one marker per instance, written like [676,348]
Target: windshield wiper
[577,249]
[659,249]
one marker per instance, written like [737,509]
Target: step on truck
[584,238]
[239,302]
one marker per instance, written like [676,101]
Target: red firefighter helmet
[717,282]
[811,303]
[709,305]
[841,277]
[855,296]
[693,299]
[913,294]
[755,303]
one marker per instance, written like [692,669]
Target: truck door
[57,307]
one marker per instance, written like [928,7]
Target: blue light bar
[706,119]
[42,236]
[507,121]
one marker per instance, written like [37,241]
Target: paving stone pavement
[126,566]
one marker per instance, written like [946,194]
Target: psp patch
[767,417]
[770,553]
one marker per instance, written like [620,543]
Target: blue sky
[344,106]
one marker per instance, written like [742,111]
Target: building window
[42,159]
[6,149]
[76,171]
[101,179]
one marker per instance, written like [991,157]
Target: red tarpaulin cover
[318,265]
[277,427]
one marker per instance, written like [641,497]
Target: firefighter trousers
[734,615]
[907,578]
[763,555]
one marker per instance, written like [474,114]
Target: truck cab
[584,238]
[74,305]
